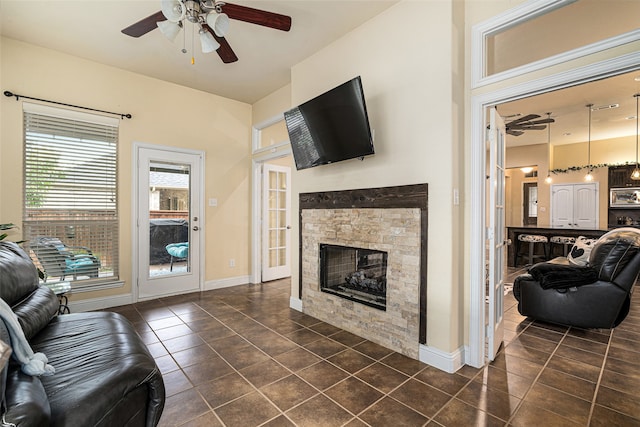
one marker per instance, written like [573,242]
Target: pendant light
[635,175]
[548,178]
[589,177]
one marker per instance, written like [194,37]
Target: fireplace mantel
[406,196]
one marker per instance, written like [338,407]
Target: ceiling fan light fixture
[209,44]
[169,29]
[219,23]
[173,10]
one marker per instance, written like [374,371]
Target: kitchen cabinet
[574,205]
[620,176]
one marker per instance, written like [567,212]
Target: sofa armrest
[36,310]
[26,401]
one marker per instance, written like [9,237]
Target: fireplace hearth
[356,274]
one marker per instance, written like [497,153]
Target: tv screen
[331,127]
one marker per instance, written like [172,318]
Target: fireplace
[370,226]
[356,274]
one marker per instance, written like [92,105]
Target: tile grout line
[537,377]
[597,389]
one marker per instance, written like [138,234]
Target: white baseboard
[295,303]
[225,283]
[100,303]
[448,362]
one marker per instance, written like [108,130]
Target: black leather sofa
[596,295]
[104,374]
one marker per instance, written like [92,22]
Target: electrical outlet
[232,262]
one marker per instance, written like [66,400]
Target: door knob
[195,228]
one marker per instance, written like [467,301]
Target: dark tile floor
[241,357]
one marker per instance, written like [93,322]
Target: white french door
[169,224]
[496,236]
[276,222]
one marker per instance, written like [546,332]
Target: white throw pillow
[580,251]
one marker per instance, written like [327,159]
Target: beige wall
[529,155]
[514,183]
[272,105]
[616,151]
[163,114]
[607,151]
[403,72]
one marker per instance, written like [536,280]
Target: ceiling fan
[518,126]
[212,18]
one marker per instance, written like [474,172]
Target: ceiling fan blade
[523,119]
[145,25]
[539,122]
[525,126]
[514,132]
[534,127]
[224,51]
[257,16]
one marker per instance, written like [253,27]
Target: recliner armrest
[562,276]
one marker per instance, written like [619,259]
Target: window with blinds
[70,217]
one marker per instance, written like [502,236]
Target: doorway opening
[480,103]
[271,217]
[530,203]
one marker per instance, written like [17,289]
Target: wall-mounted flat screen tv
[331,127]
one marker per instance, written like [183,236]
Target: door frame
[135,192]
[477,215]
[255,276]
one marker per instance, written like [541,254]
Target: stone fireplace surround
[392,219]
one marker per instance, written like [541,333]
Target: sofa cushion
[557,276]
[101,367]
[609,257]
[581,250]
[18,275]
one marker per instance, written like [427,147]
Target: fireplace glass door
[356,274]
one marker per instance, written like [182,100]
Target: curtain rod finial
[8,93]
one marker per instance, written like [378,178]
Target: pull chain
[193,59]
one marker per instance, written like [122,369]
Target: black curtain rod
[122,116]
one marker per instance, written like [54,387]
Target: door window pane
[169,201]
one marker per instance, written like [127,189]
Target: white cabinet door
[561,206]
[585,206]
[574,205]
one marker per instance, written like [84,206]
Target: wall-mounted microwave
[628,197]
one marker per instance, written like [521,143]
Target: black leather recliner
[104,373]
[597,295]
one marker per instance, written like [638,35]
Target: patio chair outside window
[60,260]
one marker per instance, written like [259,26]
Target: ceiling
[90,29]
[266,56]
[568,108]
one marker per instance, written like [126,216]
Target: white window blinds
[70,194]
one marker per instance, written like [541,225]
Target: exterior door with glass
[276,222]
[169,222]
